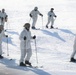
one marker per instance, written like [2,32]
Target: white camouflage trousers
[50,20]
[0,48]
[73,54]
[34,22]
[25,54]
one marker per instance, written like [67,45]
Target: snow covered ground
[54,46]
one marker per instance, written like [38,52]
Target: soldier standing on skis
[25,45]
[1,36]
[51,16]
[34,15]
[74,52]
[4,17]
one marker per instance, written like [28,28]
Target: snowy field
[54,46]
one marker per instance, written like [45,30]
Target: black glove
[34,36]
[41,15]
[6,35]
[50,15]
[30,15]
[55,16]
[24,38]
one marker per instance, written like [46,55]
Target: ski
[36,29]
[38,66]
[53,28]
[35,66]
[32,66]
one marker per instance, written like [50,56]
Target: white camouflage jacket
[25,44]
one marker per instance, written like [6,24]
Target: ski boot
[46,26]
[28,63]
[22,64]
[1,57]
[33,27]
[73,60]
[51,27]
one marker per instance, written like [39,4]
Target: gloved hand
[34,36]
[30,15]
[24,38]
[50,15]
[6,35]
[41,15]
[55,16]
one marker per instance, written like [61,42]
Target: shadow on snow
[67,31]
[8,41]
[54,34]
[12,64]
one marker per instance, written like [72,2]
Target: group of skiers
[34,15]
[25,36]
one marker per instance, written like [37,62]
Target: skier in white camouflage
[4,17]
[51,19]
[1,37]
[74,52]
[25,45]
[34,15]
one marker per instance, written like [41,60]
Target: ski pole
[36,52]
[37,55]
[7,48]
[6,25]
[55,19]
[7,38]
[30,20]
[42,22]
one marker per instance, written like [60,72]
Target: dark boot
[22,64]
[46,26]
[1,57]
[28,63]
[33,27]
[73,60]
[51,27]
